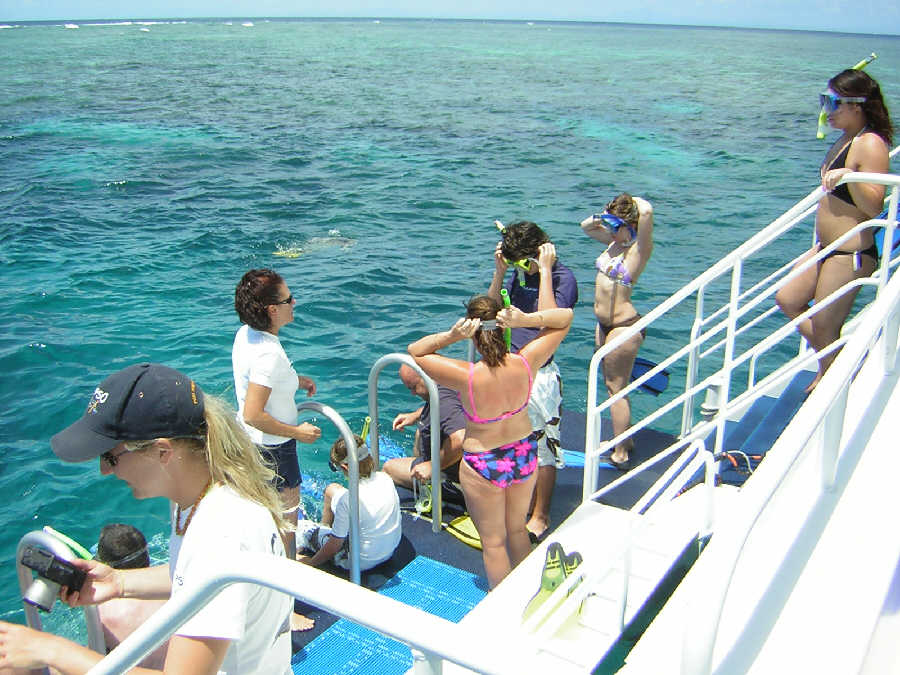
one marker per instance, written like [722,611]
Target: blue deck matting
[347,648]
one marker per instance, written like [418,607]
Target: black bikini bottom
[621,324]
[872,252]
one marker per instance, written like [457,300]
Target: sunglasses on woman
[830,100]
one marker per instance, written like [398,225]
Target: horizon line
[426,18]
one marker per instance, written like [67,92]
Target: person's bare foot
[812,385]
[301,623]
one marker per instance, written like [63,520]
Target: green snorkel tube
[507,332]
[77,548]
[823,116]
[365,428]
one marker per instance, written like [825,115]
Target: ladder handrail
[46,541]
[437,505]
[352,481]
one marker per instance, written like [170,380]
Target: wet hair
[522,240]
[857,83]
[625,208]
[232,458]
[339,455]
[123,547]
[256,290]
[490,343]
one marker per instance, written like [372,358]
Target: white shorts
[544,413]
[311,536]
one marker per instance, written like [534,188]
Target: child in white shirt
[379,516]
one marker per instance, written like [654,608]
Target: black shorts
[284,460]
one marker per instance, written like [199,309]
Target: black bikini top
[842,192]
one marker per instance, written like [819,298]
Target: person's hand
[23,647]
[464,328]
[510,317]
[102,583]
[546,256]
[500,265]
[833,177]
[421,472]
[307,433]
[305,559]
[307,384]
[404,420]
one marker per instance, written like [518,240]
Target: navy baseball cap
[139,403]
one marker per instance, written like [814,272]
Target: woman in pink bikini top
[499,458]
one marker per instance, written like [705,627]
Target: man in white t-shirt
[379,516]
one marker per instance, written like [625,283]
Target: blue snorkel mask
[830,100]
[614,223]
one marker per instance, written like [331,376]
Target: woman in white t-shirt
[379,516]
[265,382]
[153,428]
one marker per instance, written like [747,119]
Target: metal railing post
[693,367]
[437,503]
[832,427]
[46,541]
[352,480]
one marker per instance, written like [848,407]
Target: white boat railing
[734,318]
[824,414]
[430,637]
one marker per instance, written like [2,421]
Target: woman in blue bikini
[499,460]
[626,226]
[855,106]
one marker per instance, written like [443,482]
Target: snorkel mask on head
[524,264]
[830,100]
[614,223]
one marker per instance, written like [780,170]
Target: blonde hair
[233,459]
[339,454]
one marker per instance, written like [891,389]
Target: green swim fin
[553,574]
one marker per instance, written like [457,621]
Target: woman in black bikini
[627,227]
[856,107]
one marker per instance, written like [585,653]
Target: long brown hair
[490,343]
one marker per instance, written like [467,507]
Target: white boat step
[586,623]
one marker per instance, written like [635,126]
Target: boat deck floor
[419,540]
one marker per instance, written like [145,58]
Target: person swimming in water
[626,226]
[856,107]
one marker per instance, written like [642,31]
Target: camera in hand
[52,572]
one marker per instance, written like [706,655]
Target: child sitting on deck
[379,516]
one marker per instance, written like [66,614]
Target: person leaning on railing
[153,428]
[856,107]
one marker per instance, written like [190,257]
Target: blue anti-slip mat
[346,648]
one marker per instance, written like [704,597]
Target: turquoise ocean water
[143,171]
